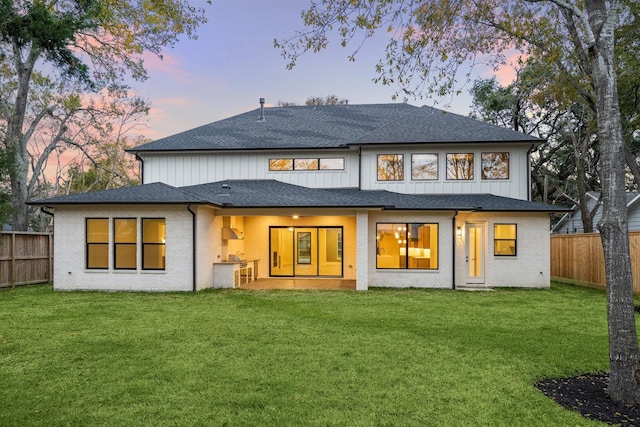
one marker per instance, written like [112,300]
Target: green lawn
[232,357]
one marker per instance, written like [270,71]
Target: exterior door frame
[475,252]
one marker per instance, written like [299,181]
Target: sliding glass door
[305,251]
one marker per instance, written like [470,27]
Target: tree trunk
[624,356]
[16,144]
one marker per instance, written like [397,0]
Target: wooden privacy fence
[579,257]
[25,258]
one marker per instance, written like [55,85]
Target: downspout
[45,210]
[359,167]
[138,158]
[455,241]
[193,243]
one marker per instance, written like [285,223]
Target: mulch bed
[587,395]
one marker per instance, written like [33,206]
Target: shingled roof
[334,126]
[276,194]
[154,193]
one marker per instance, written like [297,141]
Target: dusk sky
[233,64]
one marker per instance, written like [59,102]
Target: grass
[381,357]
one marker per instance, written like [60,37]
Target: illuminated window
[153,243]
[97,239]
[407,246]
[280,164]
[424,167]
[504,240]
[329,163]
[336,163]
[305,164]
[125,236]
[390,167]
[495,165]
[460,166]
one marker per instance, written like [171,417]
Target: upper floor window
[307,164]
[424,166]
[336,163]
[97,240]
[460,166]
[390,167]
[280,164]
[125,236]
[504,239]
[153,243]
[495,165]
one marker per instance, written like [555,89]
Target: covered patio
[299,284]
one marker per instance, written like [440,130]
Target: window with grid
[153,243]
[97,242]
[125,236]
[505,240]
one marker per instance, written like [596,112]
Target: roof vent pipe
[261,117]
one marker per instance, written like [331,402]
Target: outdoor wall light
[459,232]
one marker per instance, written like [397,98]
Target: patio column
[362,250]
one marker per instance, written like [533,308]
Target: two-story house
[386,195]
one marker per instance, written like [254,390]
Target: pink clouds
[508,72]
[164,111]
[168,64]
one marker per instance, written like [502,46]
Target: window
[153,243]
[125,236]
[460,166]
[97,238]
[504,240]
[336,163]
[304,247]
[305,164]
[390,167]
[330,163]
[424,166]
[407,246]
[280,164]
[495,165]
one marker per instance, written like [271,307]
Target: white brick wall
[529,269]
[208,245]
[440,278]
[70,246]
[362,250]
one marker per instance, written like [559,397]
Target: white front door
[475,233]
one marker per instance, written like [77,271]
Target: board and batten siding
[181,170]
[515,187]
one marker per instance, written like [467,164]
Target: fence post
[12,268]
